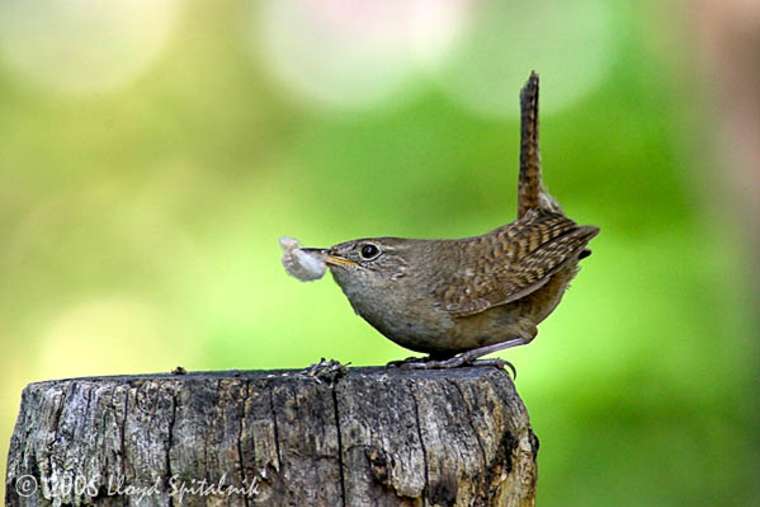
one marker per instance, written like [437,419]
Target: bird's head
[361,264]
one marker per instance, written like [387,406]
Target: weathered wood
[372,437]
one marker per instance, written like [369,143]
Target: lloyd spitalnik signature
[178,487]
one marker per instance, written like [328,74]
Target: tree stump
[362,436]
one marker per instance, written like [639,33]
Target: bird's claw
[497,363]
[459,360]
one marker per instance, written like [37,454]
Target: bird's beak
[333,260]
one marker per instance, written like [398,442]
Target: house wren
[459,299]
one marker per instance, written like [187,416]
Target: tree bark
[368,436]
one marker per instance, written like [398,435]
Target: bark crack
[276,431]
[241,461]
[55,424]
[340,443]
[469,420]
[89,400]
[170,442]
[422,444]
[122,431]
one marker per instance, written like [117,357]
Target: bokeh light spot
[79,47]
[353,55]
[570,44]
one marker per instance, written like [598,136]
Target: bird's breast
[406,315]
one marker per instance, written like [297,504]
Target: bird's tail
[530,192]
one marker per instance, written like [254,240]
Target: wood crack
[241,460]
[469,420]
[426,488]
[170,442]
[276,430]
[55,426]
[333,390]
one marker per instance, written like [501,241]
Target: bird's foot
[459,360]
[405,363]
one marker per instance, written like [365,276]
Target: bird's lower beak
[333,260]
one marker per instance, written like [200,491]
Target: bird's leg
[404,363]
[469,358]
[415,361]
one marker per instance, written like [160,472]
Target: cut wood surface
[332,437]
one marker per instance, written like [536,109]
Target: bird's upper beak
[330,259]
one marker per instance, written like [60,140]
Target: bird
[457,300]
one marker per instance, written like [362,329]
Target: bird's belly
[422,327]
[435,332]
[418,331]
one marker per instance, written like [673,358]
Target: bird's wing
[513,262]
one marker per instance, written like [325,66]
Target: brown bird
[460,299]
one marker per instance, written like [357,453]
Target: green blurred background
[152,152]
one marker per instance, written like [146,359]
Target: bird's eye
[369,251]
